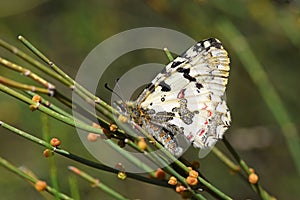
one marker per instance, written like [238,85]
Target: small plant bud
[253,178]
[36,98]
[172,180]
[122,175]
[40,185]
[142,144]
[55,142]
[180,188]
[193,173]
[92,137]
[251,170]
[48,153]
[113,127]
[160,174]
[191,180]
[107,134]
[95,125]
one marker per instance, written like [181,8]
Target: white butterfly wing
[188,95]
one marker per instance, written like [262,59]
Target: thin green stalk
[31,179]
[22,86]
[74,187]
[267,90]
[104,123]
[96,183]
[100,105]
[225,160]
[168,54]
[52,163]
[176,161]
[220,194]
[77,158]
[51,105]
[74,123]
[256,187]
[62,118]
[32,61]
[26,72]
[76,87]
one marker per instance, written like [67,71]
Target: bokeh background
[66,31]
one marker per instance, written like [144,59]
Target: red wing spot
[201,132]
[209,113]
[181,94]
[206,122]
[189,137]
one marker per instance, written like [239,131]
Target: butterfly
[187,98]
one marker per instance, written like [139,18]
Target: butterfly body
[186,98]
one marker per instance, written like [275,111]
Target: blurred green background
[66,31]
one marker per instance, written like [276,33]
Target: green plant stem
[75,123]
[63,78]
[256,187]
[52,163]
[32,61]
[168,54]
[26,72]
[175,160]
[62,118]
[225,160]
[74,187]
[79,159]
[31,179]
[22,86]
[267,90]
[96,183]
[76,87]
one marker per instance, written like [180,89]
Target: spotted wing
[187,97]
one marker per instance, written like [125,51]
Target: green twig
[168,54]
[31,179]
[52,164]
[22,86]
[225,160]
[74,187]
[26,72]
[32,61]
[97,183]
[75,86]
[79,159]
[256,187]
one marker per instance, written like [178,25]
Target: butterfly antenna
[112,91]
[121,95]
